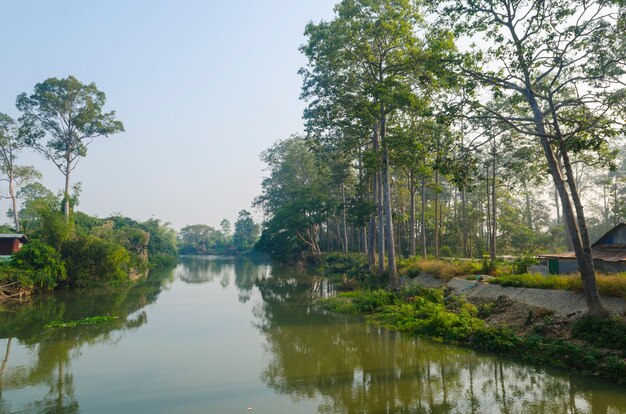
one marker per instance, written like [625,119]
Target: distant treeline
[202,239]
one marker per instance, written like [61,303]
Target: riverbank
[587,346]
[546,327]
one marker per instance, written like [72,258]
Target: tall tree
[14,175]
[371,49]
[61,118]
[557,66]
[246,232]
[294,200]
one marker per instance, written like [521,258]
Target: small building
[609,255]
[11,243]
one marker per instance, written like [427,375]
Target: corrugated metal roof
[614,229]
[11,235]
[605,254]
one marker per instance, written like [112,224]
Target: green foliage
[246,232]
[203,239]
[603,333]
[49,224]
[90,259]
[42,264]
[353,266]
[162,250]
[372,300]
[608,284]
[425,312]
[521,264]
[295,199]
[443,269]
[90,320]
[61,118]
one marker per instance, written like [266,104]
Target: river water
[219,335]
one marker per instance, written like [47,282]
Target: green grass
[608,284]
[442,269]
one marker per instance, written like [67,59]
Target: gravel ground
[562,302]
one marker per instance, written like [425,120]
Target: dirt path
[562,302]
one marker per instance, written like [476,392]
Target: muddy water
[219,335]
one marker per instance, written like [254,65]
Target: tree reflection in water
[341,363]
[54,349]
[356,368]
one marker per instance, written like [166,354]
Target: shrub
[521,264]
[604,333]
[442,269]
[371,300]
[351,265]
[90,259]
[42,264]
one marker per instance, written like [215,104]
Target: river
[220,335]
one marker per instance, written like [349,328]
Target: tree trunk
[345,220]
[412,216]
[436,238]
[16,217]
[529,216]
[394,280]
[556,203]
[488,222]
[575,227]
[590,277]
[423,218]
[381,226]
[615,204]
[66,200]
[494,213]
[464,231]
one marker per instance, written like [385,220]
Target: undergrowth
[426,312]
[443,269]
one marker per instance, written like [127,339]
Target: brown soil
[522,318]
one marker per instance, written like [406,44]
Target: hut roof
[608,237]
[606,254]
[21,237]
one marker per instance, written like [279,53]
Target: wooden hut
[609,254]
[11,243]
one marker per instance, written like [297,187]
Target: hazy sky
[201,86]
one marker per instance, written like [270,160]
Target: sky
[202,87]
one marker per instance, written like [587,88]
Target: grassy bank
[353,268]
[594,348]
[608,284]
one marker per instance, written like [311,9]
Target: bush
[521,264]
[354,266]
[90,259]
[42,264]
[604,333]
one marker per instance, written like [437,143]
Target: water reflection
[338,364]
[356,368]
[54,349]
[203,269]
